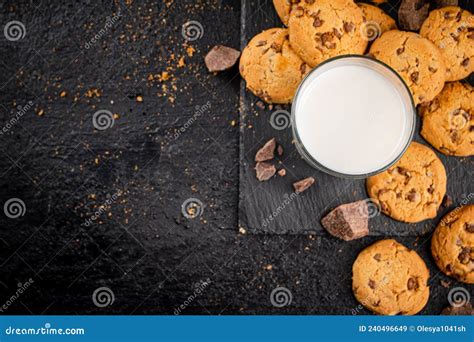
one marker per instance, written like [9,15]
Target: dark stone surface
[159,153]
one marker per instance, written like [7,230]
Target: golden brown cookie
[376,21]
[413,188]
[283,9]
[326,28]
[452,244]
[418,61]
[448,120]
[271,68]
[451,29]
[390,279]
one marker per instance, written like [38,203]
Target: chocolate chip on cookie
[271,68]
[413,188]
[390,279]
[452,244]
[447,120]
[326,28]
[451,30]
[417,60]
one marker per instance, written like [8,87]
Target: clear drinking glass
[388,74]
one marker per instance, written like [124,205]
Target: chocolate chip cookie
[451,29]
[376,21]
[413,188]
[417,60]
[448,120]
[326,28]
[390,279]
[283,9]
[452,244]
[271,68]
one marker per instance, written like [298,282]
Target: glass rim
[317,165]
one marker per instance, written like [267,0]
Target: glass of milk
[352,116]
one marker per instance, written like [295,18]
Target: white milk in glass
[353,115]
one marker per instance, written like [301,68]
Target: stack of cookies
[388,278]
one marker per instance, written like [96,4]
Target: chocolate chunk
[400,50]
[318,22]
[348,221]
[282,172]
[414,76]
[280,150]
[412,284]
[464,310]
[348,27]
[221,58]
[469,227]
[431,189]
[372,284]
[465,255]
[447,201]
[403,171]
[378,256]
[267,152]
[303,184]
[276,47]
[412,14]
[413,196]
[264,171]
[465,62]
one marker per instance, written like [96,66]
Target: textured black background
[142,248]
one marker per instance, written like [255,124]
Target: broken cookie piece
[221,58]
[267,152]
[412,14]
[303,184]
[264,171]
[348,221]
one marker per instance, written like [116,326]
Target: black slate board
[272,207]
